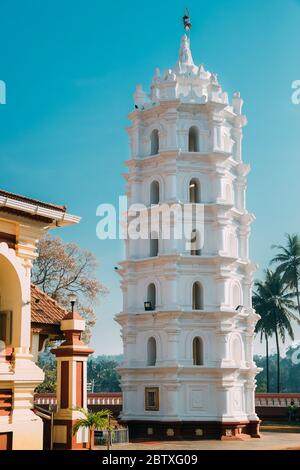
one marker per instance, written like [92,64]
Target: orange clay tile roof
[29,200]
[44,309]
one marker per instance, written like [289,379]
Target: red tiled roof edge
[46,310]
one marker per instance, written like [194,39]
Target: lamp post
[72,299]
[71,358]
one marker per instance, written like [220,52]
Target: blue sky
[70,70]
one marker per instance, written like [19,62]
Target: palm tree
[92,421]
[264,325]
[289,263]
[275,302]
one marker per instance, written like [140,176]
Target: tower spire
[185,62]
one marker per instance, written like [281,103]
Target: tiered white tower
[188,367]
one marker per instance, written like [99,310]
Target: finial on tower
[187,21]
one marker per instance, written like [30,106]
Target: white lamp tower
[187,320]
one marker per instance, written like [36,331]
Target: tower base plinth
[64,438]
[192,430]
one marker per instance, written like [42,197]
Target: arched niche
[151,352]
[193,143]
[198,358]
[154,142]
[236,295]
[197,296]
[151,295]
[236,350]
[194,191]
[154,192]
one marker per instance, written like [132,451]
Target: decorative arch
[154,142]
[151,351]
[204,185]
[197,296]
[11,256]
[198,354]
[154,192]
[151,295]
[143,339]
[193,143]
[236,349]
[236,294]
[15,300]
[187,345]
[194,191]
[142,291]
[161,183]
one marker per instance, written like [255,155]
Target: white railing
[104,401]
[277,400]
[101,399]
[41,400]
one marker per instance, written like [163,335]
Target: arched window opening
[154,192]
[193,139]
[154,138]
[195,243]
[197,296]
[150,303]
[151,352]
[195,192]
[198,352]
[153,247]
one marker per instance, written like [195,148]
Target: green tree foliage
[264,325]
[92,421]
[47,362]
[103,371]
[290,372]
[288,263]
[261,386]
[275,302]
[273,299]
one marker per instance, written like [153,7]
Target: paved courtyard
[269,441]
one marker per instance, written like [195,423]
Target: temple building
[187,321]
[25,313]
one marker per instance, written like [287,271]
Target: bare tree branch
[62,268]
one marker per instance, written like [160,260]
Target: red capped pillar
[71,387]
